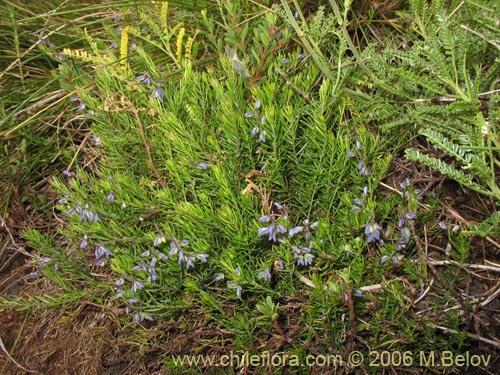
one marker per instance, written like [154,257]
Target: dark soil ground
[90,340]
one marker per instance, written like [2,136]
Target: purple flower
[456,228]
[34,275]
[161,255]
[384,259]
[442,225]
[203,166]
[301,56]
[136,285]
[351,154]
[410,215]
[262,136]
[84,241]
[372,232]
[145,79]
[279,263]
[158,93]
[265,274]
[219,276]
[403,185]
[158,240]
[62,201]
[233,285]
[248,114]
[284,61]
[257,104]
[294,231]
[362,169]
[202,257]
[67,173]
[120,282]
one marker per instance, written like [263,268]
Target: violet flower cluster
[277,232]
[260,119]
[362,168]
[179,248]
[157,91]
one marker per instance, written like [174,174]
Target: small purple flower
[362,169]
[120,282]
[62,201]
[161,255]
[219,276]
[351,154]
[410,215]
[145,253]
[137,285]
[279,263]
[255,130]
[442,225]
[67,173]
[372,232]
[84,241]
[262,136]
[405,184]
[158,93]
[278,206]
[264,219]
[293,231]
[44,261]
[265,274]
[357,293]
[359,202]
[456,228]
[248,114]
[34,275]
[284,61]
[145,79]
[173,248]
[257,104]
[96,140]
[111,197]
[202,257]
[180,256]
[396,259]
[203,166]
[384,259]
[158,240]
[189,262]
[405,235]
[301,56]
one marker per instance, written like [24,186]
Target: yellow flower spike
[124,50]
[189,45]
[163,15]
[178,44]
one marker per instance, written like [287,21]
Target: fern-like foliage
[478,162]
